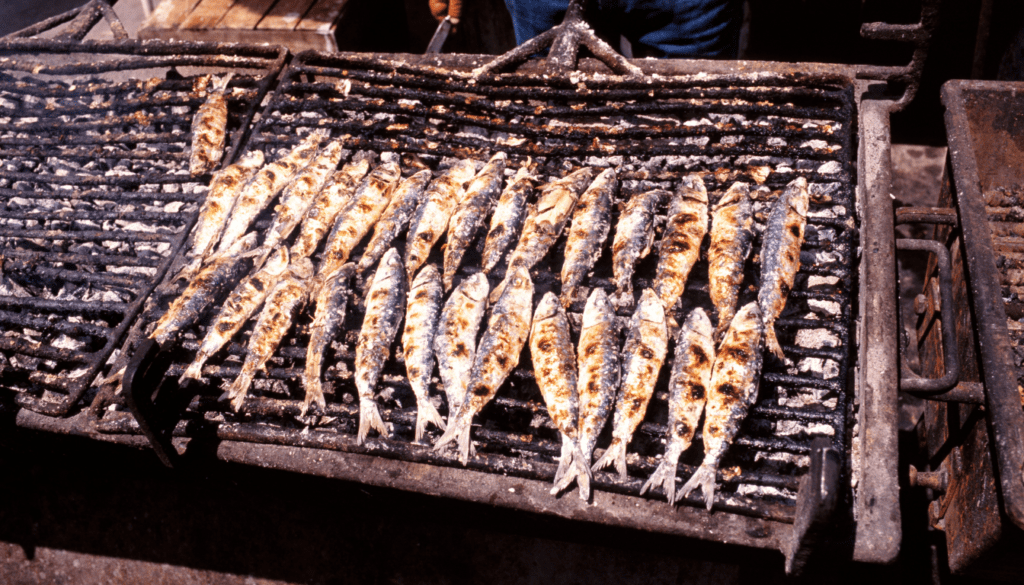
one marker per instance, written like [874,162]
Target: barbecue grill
[795,469]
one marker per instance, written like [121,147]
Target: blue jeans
[654,28]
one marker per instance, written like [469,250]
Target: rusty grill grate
[653,132]
[96,194]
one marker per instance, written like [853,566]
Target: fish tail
[564,461]
[426,413]
[447,280]
[567,296]
[222,83]
[704,478]
[458,431]
[664,477]
[615,456]
[314,389]
[240,387]
[584,475]
[772,342]
[369,418]
[195,370]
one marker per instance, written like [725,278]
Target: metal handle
[143,387]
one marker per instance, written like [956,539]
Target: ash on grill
[96,197]
[766,129]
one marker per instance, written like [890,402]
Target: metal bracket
[81,19]
[815,506]
[919,35]
[154,400]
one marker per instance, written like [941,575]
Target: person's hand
[443,8]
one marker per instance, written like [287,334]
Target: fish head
[427,275]
[697,322]
[461,172]
[278,260]
[332,149]
[799,198]
[650,308]
[390,157]
[692,187]
[598,309]
[519,281]
[357,167]
[388,172]
[746,326]
[252,159]
[734,195]
[548,308]
[243,244]
[302,268]
[475,287]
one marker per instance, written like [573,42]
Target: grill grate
[729,128]
[94,143]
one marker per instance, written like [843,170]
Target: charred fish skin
[634,237]
[780,256]
[554,368]
[734,382]
[283,303]
[643,356]
[385,304]
[330,202]
[732,237]
[213,215]
[299,195]
[223,271]
[407,197]
[421,319]
[591,223]
[469,216]
[431,219]
[367,204]
[507,218]
[496,356]
[209,129]
[599,368]
[679,249]
[331,300]
[267,183]
[455,340]
[239,306]
[688,390]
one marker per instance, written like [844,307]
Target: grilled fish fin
[314,392]
[615,456]
[458,431]
[194,371]
[369,418]
[240,387]
[579,471]
[704,478]
[771,343]
[664,477]
[426,413]
[564,460]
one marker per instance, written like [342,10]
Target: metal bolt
[934,480]
[920,304]
[935,518]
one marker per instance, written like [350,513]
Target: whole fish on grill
[554,368]
[240,305]
[634,235]
[385,304]
[471,213]
[455,340]
[508,217]
[213,215]
[220,274]
[209,129]
[283,303]
[688,389]
[590,224]
[365,208]
[496,356]
[643,356]
[330,202]
[679,248]
[431,218]
[732,237]
[598,360]
[298,196]
[780,256]
[546,221]
[331,299]
[734,381]
[421,318]
[267,183]
[407,197]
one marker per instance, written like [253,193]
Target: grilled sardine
[732,236]
[643,355]
[734,381]
[554,368]
[590,224]
[240,305]
[455,340]
[404,201]
[267,183]
[285,300]
[471,213]
[688,388]
[418,343]
[780,256]
[223,271]
[224,190]
[496,356]
[331,300]
[431,218]
[679,248]
[385,304]
[634,234]
[209,129]
[330,202]
[507,218]
[598,359]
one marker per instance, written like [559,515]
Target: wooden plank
[207,14]
[245,14]
[322,16]
[169,14]
[294,40]
[285,15]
